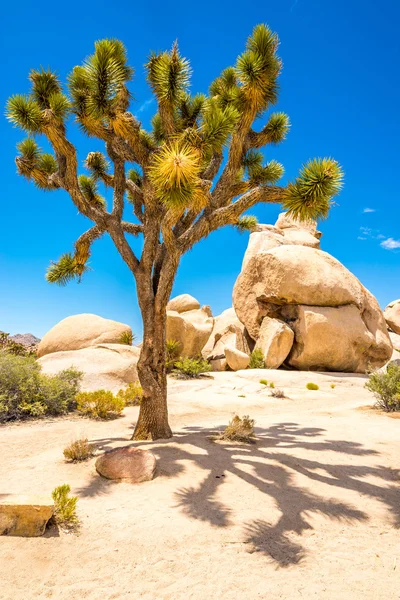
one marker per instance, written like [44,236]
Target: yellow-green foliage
[132,395]
[190,368]
[312,386]
[100,404]
[263,381]
[26,392]
[127,338]
[79,450]
[65,506]
[240,429]
[333,386]
[386,387]
[257,359]
[173,348]
[272,385]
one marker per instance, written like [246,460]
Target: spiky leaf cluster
[310,196]
[33,164]
[66,269]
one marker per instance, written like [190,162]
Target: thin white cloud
[294,5]
[390,244]
[369,210]
[145,105]
[360,237]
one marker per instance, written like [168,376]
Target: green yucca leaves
[24,112]
[97,163]
[65,270]
[88,187]
[310,195]
[277,128]
[218,124]
[247,223]
[168,74]
[47,163]
[29,149]
[44,85]
[135,176]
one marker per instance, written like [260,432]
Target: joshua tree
[198,169]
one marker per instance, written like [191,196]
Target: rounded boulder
[131,465]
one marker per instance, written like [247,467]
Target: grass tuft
[312,386]
[79,450]
[240,429]
[65,507]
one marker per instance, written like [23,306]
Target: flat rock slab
[127,464]
[24,516]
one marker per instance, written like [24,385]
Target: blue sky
[339,85]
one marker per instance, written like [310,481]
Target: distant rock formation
[25,339]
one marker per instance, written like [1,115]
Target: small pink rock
[127,464]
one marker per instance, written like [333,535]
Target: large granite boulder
[183,303]
[191,329]
[392,316]
[295,284]
[81,331]
[235,359]
[105,366]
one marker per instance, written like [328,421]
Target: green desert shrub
[8,345]
[240,429]
[333,386]
[257,359]
[263,382]
[173,348]
[100,404]
[272,385]
[386,387]
[132,395]
[26,392]
[64,506]
[312,386]
[190,368]
[127,338]
[79,450]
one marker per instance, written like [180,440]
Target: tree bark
[153,423]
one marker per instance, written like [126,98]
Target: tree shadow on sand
[272,470]
[269,466]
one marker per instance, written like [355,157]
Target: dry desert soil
[312,510]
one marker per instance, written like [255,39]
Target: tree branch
[227,215]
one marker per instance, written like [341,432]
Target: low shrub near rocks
[65,507]
[263,382]
[257,359]
[26,392]
[312,386]
[240,429]
[79,450]
[386,388]
[100,404]
[173,348]
[127,338]
[132,395]
[190,368]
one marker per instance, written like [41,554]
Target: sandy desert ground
[312,510]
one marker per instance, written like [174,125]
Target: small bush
[257,359]
[100,404]
[312,386]
[263,382]
[132,395]
[127,338]
[173,348]
[191,368]
[272,385]
[386,388]
[79,450]
[239,430]
[8,345]
[333,386]
[26,392]
[241,396]
[278,393]
[65,506]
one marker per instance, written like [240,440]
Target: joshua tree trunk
[152,423]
